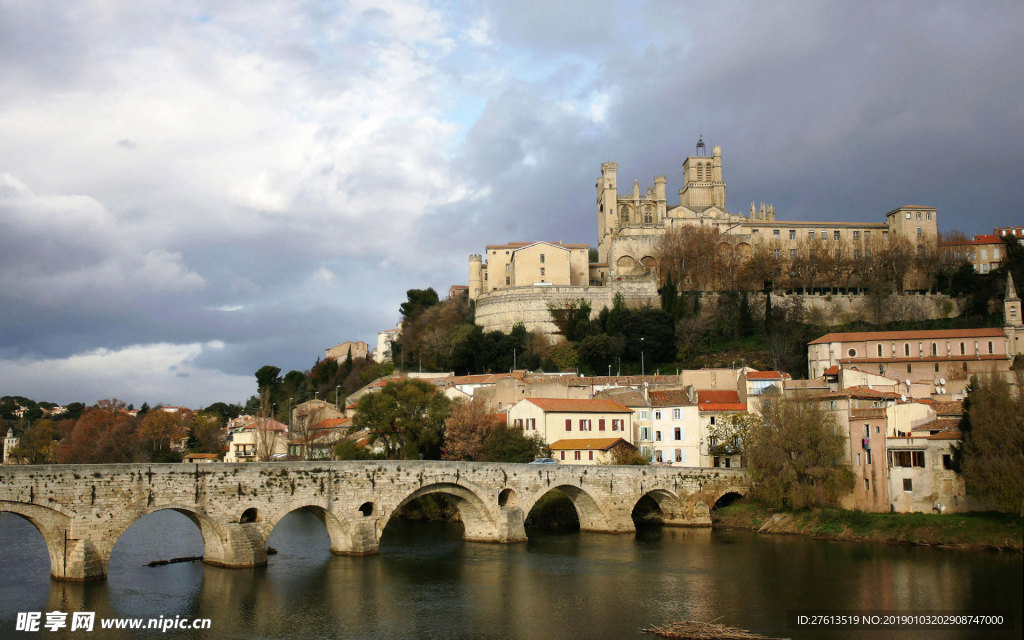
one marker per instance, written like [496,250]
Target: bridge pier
[237,546]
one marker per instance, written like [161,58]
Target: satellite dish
[907,381]
[645,384]
[942,381]
[936,381]
[903,398]
[943,390]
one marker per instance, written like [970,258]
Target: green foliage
[347,450]
[267,377]
[628,455]
[418,301]
[991,455]
[406,417]
[797,456]
[510,444]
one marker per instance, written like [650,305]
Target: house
[256,439]
[674,432]
[714,407]
[341,351]
[554,419]
[317,441]
[200,458]
[587,450]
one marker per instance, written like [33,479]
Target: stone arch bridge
[82,510]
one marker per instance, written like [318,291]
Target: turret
[1011,304]
[476,282]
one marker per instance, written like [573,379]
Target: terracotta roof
[985,238]
[558,405]
[931,334]
[832,371]
[333,423]
[955,408]
[269,425]
[704,396]
[946,435]
[670,398]
[203,456]
[601,444]
[862,392]
[953,358]
[767,375]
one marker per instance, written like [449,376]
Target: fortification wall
[500,310]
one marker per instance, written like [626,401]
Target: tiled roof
[333,423]
[767,375]
[861,392]
[670,398]
[600,444]
[559,405]
[628,397]
[931,334]
[946,435]
[952,358]
[704,396]
[955,408]
[985,238]
[203,456]
[832,371]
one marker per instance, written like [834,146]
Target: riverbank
[986,530]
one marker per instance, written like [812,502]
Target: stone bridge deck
[82,510]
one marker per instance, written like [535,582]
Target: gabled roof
[720,401]
[599,444]
[932,334]
[558,405]
[333,423]
[628,397]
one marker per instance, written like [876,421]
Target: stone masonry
[82,510]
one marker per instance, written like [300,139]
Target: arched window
[700,172]
[879,351]
[648,215]
[935,349]
[624,213]
[906,349]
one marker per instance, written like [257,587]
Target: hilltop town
[672,342]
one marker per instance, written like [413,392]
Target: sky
[192,190]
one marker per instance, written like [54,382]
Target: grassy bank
[962,530]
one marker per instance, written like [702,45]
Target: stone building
[359,350]
[517,282]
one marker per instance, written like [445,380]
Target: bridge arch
[667,503]
[51,524]
[727,496]
[338,527]
[591,516]
[217,542]
[477,519]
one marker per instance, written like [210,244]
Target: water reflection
[428,583]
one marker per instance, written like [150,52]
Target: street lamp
[642,371]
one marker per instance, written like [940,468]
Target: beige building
[256,440]
[630,225]
[944,358]
[528,264]
[359,350]
[553,419]
[587,450]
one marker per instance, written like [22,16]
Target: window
[908,484]
[617,425]
[542,258]
[907,458]
[712,420]
[963,349]
[835,235]
[920,232]
[947,461]
[909,369]
[935,349]
[542,272]
[568,424]
[792,234]
[657,456]
[856,235]
[657,436]
[908,215]
[852,352]
[518,422]
[508,280]
[868,454]
[645,433]
[867,431]
[657,415]
[585,424]
[679,455]
[600,424]
[563,455]
[879,351]
[775,233]
[531,424]
[885,235]
[676,412]
[906,349]
[858,459]
[756,231]
[927,215]
[792,254]
[645,415]
[936,367]
[918,215]
[778,253]
[810,234]
[990,348]
[678,433]
[867,484]
[576,455]
[867,236]
[591,454]
[856,254]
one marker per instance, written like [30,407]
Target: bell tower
[703,186]
[1013,324]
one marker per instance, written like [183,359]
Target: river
[428,583]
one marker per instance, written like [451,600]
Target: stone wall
[501,310]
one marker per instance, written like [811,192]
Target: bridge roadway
[82,510]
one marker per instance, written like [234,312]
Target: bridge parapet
[82,510]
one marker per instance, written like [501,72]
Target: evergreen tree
[746,320]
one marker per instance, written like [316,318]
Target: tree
[797,456]
[729,436]
[510,444]
[418,301]
[160,430]
[406,417]
[208,433]
[991,453]
[104,433]
[467,427]
[38,444]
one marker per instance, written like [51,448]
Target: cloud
[155,373]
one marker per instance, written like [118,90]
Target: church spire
[1011,291]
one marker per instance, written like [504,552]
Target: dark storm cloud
[243,185]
